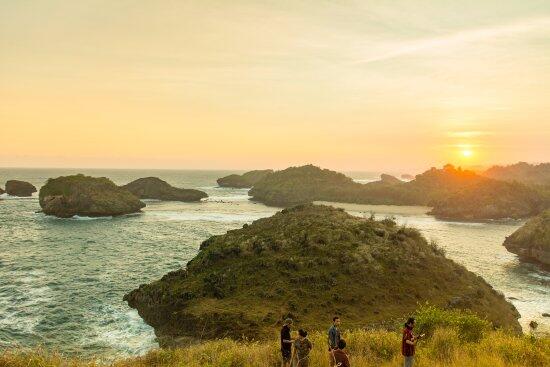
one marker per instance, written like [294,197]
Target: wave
[228,198]
[78,217]
[206,216]
[5,196]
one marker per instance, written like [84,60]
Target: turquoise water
[62,280]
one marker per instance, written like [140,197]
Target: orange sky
[349,85]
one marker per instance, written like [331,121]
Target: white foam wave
[206,216]
[228,198]
[5,196]
[78,217]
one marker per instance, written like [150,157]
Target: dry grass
[366,348]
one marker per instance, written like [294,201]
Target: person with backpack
[302,347]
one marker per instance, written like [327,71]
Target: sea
[62,280]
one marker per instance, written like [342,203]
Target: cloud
[397,49]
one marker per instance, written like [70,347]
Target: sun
[467,153]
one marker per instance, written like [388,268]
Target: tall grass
[367,348]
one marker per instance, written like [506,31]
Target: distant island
[246,180]
[20,188]
[67,196]
[532,240]
[537,174]
[155,188]
[454,193]
[310,262]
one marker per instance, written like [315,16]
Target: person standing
[408,343]
[302,347]
[286,343]
[333,337]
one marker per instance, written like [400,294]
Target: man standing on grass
[286,343]
[408,343]
[333,337]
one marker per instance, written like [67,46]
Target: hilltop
[245,180]
[532,240]
[310,262]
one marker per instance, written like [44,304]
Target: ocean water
[62,280]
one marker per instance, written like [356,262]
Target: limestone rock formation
[20,188]
[81,195]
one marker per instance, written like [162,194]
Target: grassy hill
[532,240]
[310,262]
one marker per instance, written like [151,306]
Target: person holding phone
[408,343]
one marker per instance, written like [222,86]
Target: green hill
[532,240]
[310,262]
[155,188]
[537,174]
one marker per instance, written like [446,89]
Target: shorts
[286,353]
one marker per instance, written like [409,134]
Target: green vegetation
[310,262]
[454,193]
[454,339]
[155,188]
[532,240]
[67,196]
[245,180]
[490,199]
[521,172]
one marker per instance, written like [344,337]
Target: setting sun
[467,153]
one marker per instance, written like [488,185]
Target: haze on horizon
[349,85]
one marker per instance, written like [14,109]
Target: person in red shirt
[408,343]
[340,357]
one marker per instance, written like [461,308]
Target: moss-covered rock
[81,195]
[245,180]
[490,199]
[310,262]
[155,188]
[20,188]
[532,240]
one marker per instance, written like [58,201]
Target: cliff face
[532,240]
[20,188]
[81,195]
[155,188]
[245,180]
[310,262]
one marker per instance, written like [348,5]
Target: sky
[344,84]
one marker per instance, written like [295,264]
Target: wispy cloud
[397,49]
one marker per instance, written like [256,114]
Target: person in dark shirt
[286,343]
[333,337]
[340,358]
[408,343]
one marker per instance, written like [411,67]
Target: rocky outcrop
[155,188]
[1,191]
[20,188]
[532,241]
[309,263]
[81,195]
[490,199]
[245,180]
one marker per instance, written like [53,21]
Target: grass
[366,348]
